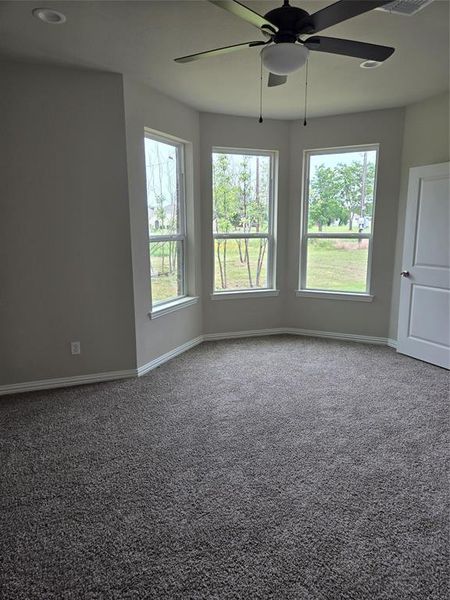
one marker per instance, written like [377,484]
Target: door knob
[404,273]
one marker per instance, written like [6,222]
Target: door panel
[426,303]
[431,248]
[424,315]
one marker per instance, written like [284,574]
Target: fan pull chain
[260,120]
[306,91]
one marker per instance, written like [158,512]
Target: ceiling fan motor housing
[291,22]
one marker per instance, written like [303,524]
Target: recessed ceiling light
[370,64]
[48,15]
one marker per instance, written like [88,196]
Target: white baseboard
[156,362]
[345,337]
[228,335]
[48,384]
[349,337]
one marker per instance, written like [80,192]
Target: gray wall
[290,139]
[65,261]
[145,107]
[73,227]
[343,316]
[425,142]
[242,132]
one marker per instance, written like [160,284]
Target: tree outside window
[338,219]
[166,225]
[242,219]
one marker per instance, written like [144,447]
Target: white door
[424,317]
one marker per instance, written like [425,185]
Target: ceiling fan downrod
[260,120]
[306,92]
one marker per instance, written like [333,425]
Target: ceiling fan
[286,48]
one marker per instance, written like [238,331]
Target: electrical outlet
[75,347]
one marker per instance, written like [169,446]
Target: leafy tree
[225,209]
[325,204]
[245,210]
[259,211]
[341,192]
[162,188]
[356,181]
[241,188]
[225,195]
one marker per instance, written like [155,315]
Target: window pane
[240,264]
[341,192]
[166,260]
[241,193]
[162,187]
[339,265]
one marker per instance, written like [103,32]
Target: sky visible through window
[346,158]
[162,192]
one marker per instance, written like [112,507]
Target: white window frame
[169,305]
[270,289]
[367,295]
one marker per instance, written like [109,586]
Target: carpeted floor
[282,467]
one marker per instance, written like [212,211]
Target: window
[243,220]
[166,218]
[337,219]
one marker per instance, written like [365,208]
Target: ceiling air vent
[405,7]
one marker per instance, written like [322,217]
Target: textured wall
[425,142]
[290,138]
[65,260]
[386,128]
[73,227]
[243,132]
[145,107]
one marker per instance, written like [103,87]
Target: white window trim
[240,295]
[329,295]
[164,308]
[303,291]
[270,236]
[171,304]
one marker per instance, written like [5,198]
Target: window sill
[237,295]
[165,309]
[335,295]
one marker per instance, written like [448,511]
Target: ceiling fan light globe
[284,58]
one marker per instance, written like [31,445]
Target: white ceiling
[142,38]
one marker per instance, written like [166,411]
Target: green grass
[164,288]
[164,281]
[338,265]
[337,228]
[236,271]
[331,229]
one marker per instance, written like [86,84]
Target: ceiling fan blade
[349,48]
[341,11]
[275,80]
[218,51]
[245,13]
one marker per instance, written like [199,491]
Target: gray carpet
[284,468]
